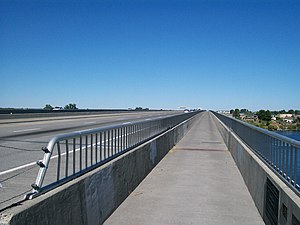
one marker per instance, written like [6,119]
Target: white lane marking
[90,122]
[86,130]
[17,168]
[33,163]
[53,157]
[56,156]
[17,131]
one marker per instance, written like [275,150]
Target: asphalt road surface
[21,141]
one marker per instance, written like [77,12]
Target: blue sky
[156,54]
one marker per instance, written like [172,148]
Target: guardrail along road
[21,141]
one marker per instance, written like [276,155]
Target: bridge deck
[196,183]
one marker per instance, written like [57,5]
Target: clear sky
[157,54]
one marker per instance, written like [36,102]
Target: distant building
[223,111]
[242,116]
[282,116]
[288,120]
[250,117]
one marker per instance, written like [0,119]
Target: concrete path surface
[196,183]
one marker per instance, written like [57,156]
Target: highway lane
[21,143]
[37,125]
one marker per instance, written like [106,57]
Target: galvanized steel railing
[279,152]
[82,151]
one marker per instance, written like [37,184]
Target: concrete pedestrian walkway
[196,183]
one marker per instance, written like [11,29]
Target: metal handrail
[279,152]
[81,151]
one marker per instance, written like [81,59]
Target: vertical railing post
[104,145]
[67,158]
[74,156]
[296,166]
[96,148]
[101,150]
[91,152]
[86,151]
[58,161]
[80,153]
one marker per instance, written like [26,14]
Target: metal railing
[280,153]
[82,151]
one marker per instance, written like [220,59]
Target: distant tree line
[48,107]
[291,111]
[70,106]
[73,106]
[265,115]
[235,113]
[141,109]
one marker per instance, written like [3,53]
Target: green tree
[231,111]
[244,110]
[48,107]
[268,115]
[264,115]
[70,106]
[272,127]
[291,111]
[236,113]
[73,106]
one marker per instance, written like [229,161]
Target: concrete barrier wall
[91,198]
[255,174]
